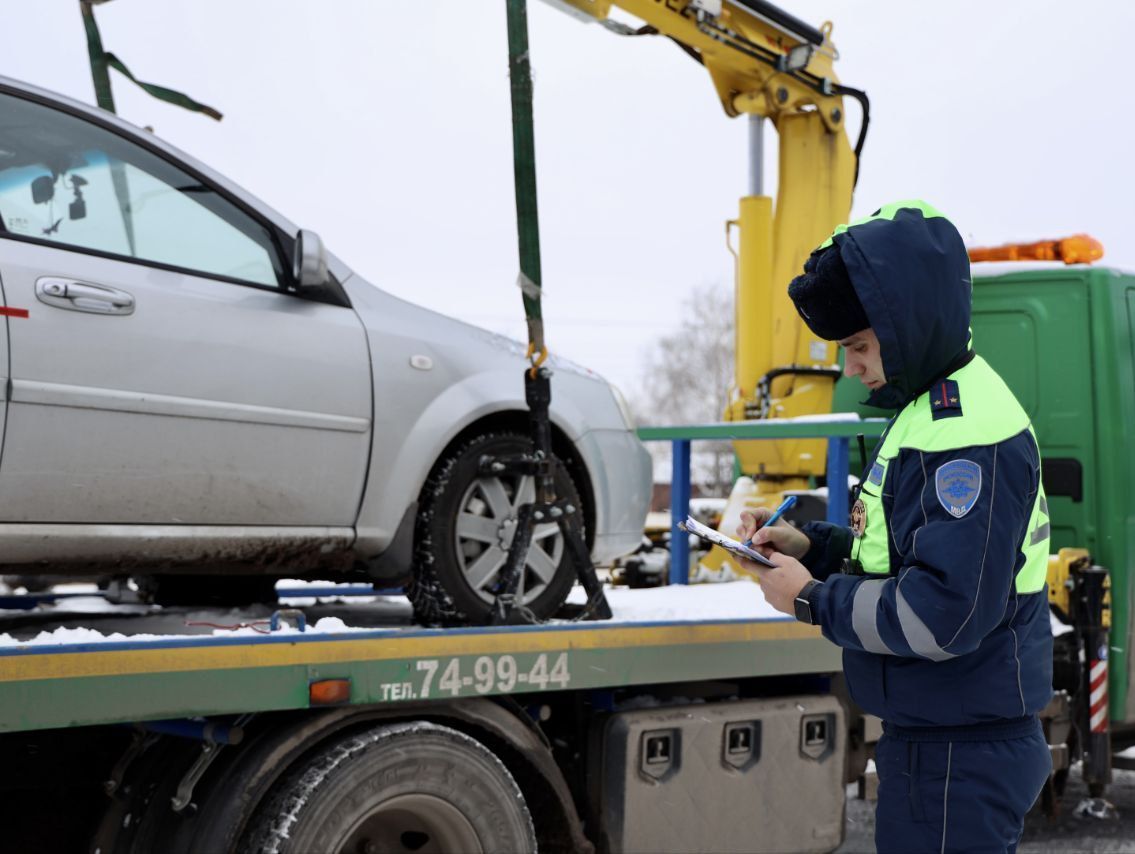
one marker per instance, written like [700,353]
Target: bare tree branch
[687,378]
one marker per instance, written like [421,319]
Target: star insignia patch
[945,400]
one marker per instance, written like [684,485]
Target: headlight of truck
[624,407]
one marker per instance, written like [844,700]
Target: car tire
[462,536]
[400,787]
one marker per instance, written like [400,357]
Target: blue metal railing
[838,433]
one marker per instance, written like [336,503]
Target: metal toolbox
[736,776]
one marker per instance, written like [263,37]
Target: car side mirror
[311,260]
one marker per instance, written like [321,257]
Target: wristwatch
[802,606]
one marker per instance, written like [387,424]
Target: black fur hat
[825,298]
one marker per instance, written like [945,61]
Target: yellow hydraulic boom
[767,64]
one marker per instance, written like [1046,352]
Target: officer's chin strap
[541,464]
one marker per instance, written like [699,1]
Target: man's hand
[782,585]
[780,537]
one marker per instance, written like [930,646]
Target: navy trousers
[964,790]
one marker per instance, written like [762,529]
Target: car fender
[400,464]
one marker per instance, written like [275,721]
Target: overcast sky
[385,127]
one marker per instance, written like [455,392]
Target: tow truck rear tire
[444,555]
[413,786]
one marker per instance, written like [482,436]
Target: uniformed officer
[937,590]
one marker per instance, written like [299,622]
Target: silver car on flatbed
[194,386]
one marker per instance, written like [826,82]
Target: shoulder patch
[945,400]
[958,484]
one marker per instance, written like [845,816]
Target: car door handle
[79,296]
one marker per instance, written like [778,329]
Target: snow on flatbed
[729,600]
[696,603]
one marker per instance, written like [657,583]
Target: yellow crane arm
[761,59]
[765,62]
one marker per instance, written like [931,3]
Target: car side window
[73,183]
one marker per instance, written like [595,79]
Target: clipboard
[693,526]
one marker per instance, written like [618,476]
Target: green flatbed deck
[51,686]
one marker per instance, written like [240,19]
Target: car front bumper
[620,471]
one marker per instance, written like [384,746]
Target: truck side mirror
[310,260]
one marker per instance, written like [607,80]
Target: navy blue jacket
[952,626]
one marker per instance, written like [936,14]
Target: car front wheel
[465,527]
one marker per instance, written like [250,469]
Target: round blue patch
[958,484]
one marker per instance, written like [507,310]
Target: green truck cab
[1063,338]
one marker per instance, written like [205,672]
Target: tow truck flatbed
[154,677]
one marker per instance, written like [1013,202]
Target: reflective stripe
[1034,573]
[946,795]
[1040,534]
[1099,721]
[1098,694]
[887,212]
[1098,702]
[864,609]
[916,633]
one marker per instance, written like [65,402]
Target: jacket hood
[910,270]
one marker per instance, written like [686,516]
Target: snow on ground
[1059,627]
[76,587]
[289,589]
[303,583]
[95,604]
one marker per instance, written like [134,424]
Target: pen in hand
[784,507]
